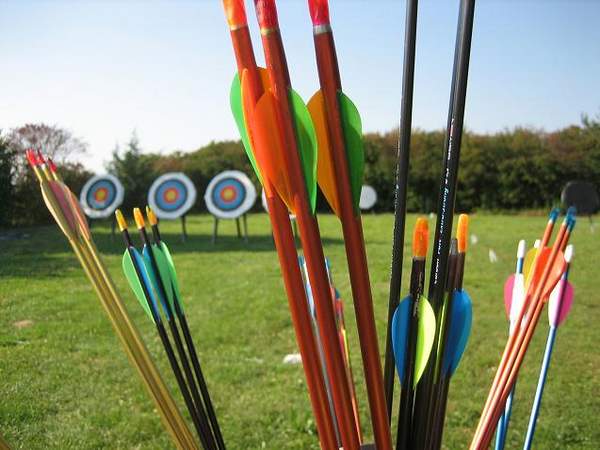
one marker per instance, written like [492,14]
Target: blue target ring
[228,194]
[101,194]
[171,195]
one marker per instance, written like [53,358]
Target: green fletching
[307,145]
[165,273]
[425,338]
[171,268]
[235,98]
[352,126]
[134,282]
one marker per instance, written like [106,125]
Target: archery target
[101,195]
[368,197]
[229,195]
[172,195]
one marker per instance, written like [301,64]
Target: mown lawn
[65,383]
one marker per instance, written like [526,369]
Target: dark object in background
[582,195]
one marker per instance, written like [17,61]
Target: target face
[101,195]
[171,195]
[368,197]
[229,195]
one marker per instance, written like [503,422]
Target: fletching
[460,329]
[509,285]
[557,310]
[64,215]
[79,215]
[400,325]
[173,274]
[235,99]
[129,269]
[352,125]
[425,335]
[325,175]
[265,139]
[307,145]
[163,272]
[352,129]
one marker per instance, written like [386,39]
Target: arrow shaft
[286,251]
[537,402]
[353,237]
[310,237]
[400,193]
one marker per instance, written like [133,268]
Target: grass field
[65,382]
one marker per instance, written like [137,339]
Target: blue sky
[103,69]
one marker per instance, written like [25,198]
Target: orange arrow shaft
[286,251]
[310,237]
[329,78]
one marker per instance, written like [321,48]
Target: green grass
[65,382]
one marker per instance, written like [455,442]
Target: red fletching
[52,165]
[319,12]
[31,157]
[40,157]
[266,11]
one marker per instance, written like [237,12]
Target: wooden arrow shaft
[329,78]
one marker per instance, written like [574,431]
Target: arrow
[157,258]
[140,281]
[460,316]
[58,199]
[412,330]
[400,193]
[340,167]
[514,294]
[280,122]
[427,387]
[547,270]
[559,306]
[278,212]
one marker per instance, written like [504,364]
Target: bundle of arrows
[153,279]
[67,212]
[281,134]
[541,277]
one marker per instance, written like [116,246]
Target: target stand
[230,195]
[171,196]
[100,197]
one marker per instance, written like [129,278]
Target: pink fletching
[52,165]
[319,12]
[266,11]
[557,310]
[508,293]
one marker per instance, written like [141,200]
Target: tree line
[511,170]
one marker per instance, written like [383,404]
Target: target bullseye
[101,196]
[172,195]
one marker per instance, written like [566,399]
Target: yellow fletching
[325,175]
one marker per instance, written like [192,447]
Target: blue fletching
[139,262]
[154,280]
[400,324]
[460,328]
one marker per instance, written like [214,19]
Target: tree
[7,177]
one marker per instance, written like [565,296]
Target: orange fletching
[420,238]
[462,232]
[236,13]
